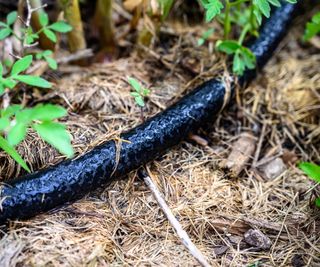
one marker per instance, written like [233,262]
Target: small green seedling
[247,16]
[312,27]
[313,171]
[139,93]
[243,58]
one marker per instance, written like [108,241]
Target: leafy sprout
[312,27]
[247,16]
[139,91]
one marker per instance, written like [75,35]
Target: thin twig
[186,241]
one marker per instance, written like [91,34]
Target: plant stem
[44,41]
[103,20]
[227,22]
[252,22]
[244,33]
[72,14]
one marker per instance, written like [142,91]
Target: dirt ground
[122,224]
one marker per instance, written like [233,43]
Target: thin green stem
[243,34]
[227,22]
[252,21]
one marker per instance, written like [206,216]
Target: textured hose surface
[70,180]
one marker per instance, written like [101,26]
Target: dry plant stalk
[185,239]
[72,14]
[44,41]
[103,21]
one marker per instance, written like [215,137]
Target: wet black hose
[70,180]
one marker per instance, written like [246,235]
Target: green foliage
[15,120]
[212,7]
[47,55]
[245,15]
[165,8]
[312,27]
[140,92]
[313,171]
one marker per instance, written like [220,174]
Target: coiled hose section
[70,180]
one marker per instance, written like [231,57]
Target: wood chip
[242,151]
[257,239]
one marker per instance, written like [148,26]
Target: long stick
[185,239]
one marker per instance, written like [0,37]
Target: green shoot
[245,15]
[313,172]
[139,93]
[312,27]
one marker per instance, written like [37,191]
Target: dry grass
[123,225]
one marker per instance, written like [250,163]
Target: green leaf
[263,6]
[51,62]
[317,202]
[213,8]
[4,33]
[60,26]
[11,110]
[43,19]
[145,92]
[24,116]
[12,17]
[165,8]
[9,83]
[248,57]
[312,28]
[1,69]
[2,24]
[50,34]
[17,134]
[33,80]
[258,15]
[135,84]
[47,112]
[139,101]
[13,153]
[135,94]
[4,123]
[229,46]
[21,65]
[238,66]
[56,135]
[311,169]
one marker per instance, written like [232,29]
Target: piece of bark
[242,151]
[257,239]
[220,250]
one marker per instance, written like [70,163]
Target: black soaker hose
[27,196]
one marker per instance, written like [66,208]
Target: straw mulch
[123,225]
